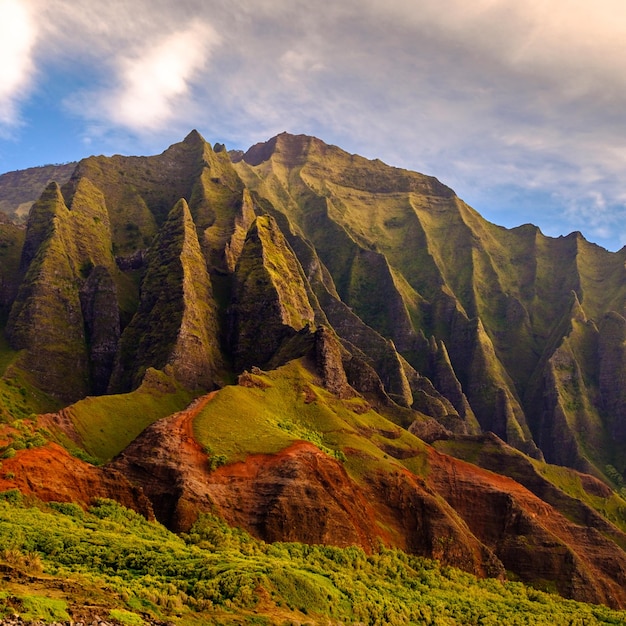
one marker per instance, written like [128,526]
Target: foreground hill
[386,367]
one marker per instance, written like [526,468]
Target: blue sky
[520,107]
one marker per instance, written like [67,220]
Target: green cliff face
[62,247]
[360,308]
[270,302]
[411,260]
[175,324]
[435,309]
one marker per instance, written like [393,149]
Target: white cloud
[17,38]
[296,64]
[487,95]
[153,85]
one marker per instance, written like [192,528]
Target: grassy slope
[107,424]
[61,560]
[286,405]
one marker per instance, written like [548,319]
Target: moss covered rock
[270,301]
[176,322]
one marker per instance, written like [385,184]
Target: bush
[13,496]
[125,617]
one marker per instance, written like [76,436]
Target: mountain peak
[259,152]
[291,147]
[194,138]
[312,277]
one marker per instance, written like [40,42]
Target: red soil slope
[462,515]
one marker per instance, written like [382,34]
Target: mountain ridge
[340,309]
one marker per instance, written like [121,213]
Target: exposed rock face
[243,219]
[490,452]
[40,221]
[300,494]
[496,298]
[176,322]
[367,345]
[460,514]
[170,467]
[20,189]
[52,475]
[524,531]
[329,362]
[270,302]
[11,244]
[489,388]
[570,428]
[429,430]
[134,261]
[442,373]
[100,309]
[384,256]
[62,247]
[208,267]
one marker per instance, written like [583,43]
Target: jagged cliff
[400,300]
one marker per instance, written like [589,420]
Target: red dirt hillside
[53,475]
[462,515]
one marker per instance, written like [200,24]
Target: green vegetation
[47,320]
[270,295]
[33,608]
[175,323]
[612,507]
[19,396]
[107,424]
[133,570]
[274,409]
[23,435]
[393,262]
[397,243]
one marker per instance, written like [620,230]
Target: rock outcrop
[176,322]
[460,514]
[270,302]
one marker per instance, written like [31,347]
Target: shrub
[126,617]
[13,496]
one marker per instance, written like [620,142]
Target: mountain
[20,189]
[317,348]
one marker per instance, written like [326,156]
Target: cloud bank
[520,107]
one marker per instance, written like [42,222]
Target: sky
[520,107]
